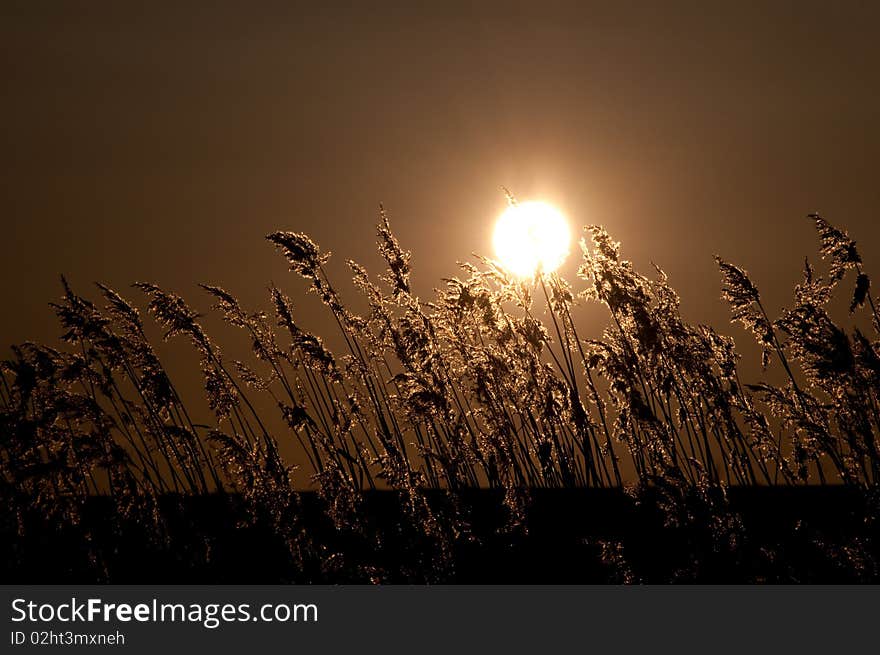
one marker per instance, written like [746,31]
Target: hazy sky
[162,141]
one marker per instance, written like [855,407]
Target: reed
[490,384]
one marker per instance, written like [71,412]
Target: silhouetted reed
[490,384]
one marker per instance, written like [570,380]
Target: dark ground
[775,535]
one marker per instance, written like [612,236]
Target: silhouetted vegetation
[489,386]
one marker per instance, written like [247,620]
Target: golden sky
[163,142]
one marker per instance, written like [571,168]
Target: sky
[162,141]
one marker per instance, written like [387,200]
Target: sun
[531,237]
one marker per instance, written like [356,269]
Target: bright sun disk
[531,236]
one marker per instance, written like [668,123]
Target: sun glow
[531,237]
